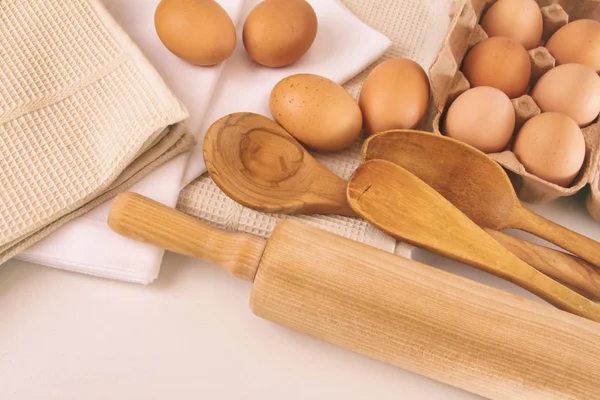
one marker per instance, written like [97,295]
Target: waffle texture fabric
[417,29]
[83,116]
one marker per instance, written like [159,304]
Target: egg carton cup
[448,82]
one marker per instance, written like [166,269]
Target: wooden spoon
[259,164]
[405,207]
[474,183]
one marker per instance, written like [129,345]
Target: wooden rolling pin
[483,340]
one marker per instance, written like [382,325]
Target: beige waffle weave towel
[83,116]
[417,29]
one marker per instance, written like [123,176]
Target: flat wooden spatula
[405,207]
[474,183]
[396,310]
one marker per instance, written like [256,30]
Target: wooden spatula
[405,207]
[474,183]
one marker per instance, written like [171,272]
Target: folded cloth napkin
[343,48]
[87,244]
[83,116]
[417,29]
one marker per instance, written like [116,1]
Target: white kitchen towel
[343,48]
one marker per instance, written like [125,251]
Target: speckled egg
[316,111]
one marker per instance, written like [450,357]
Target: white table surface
[190,335]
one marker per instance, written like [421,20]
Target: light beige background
[190,335]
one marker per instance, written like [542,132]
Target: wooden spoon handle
[582,246]
[142,219]
[561,266]
[555,293]
[405,207]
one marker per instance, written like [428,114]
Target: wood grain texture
[466,177]
[260,165]
[404,313]
[584,247]
[405,207]
[572,271]
[145,220]
[474,183]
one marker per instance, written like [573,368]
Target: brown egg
[279,32]
[395,95]
[483,117]
[316,111]
[499,62]
[520,20]
[551,146]
[577,42]
[198,31]
[571,89]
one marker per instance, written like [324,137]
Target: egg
[316,111]
[198,31]
[551,146]
[571,89]
[577,42]
[483,117]
[499,62]
[395,95]
[520,20]
[278,33]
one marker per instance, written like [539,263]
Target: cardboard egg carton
[593,200]
[448,82]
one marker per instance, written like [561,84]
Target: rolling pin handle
[137,217]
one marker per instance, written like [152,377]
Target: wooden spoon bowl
[260,165]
